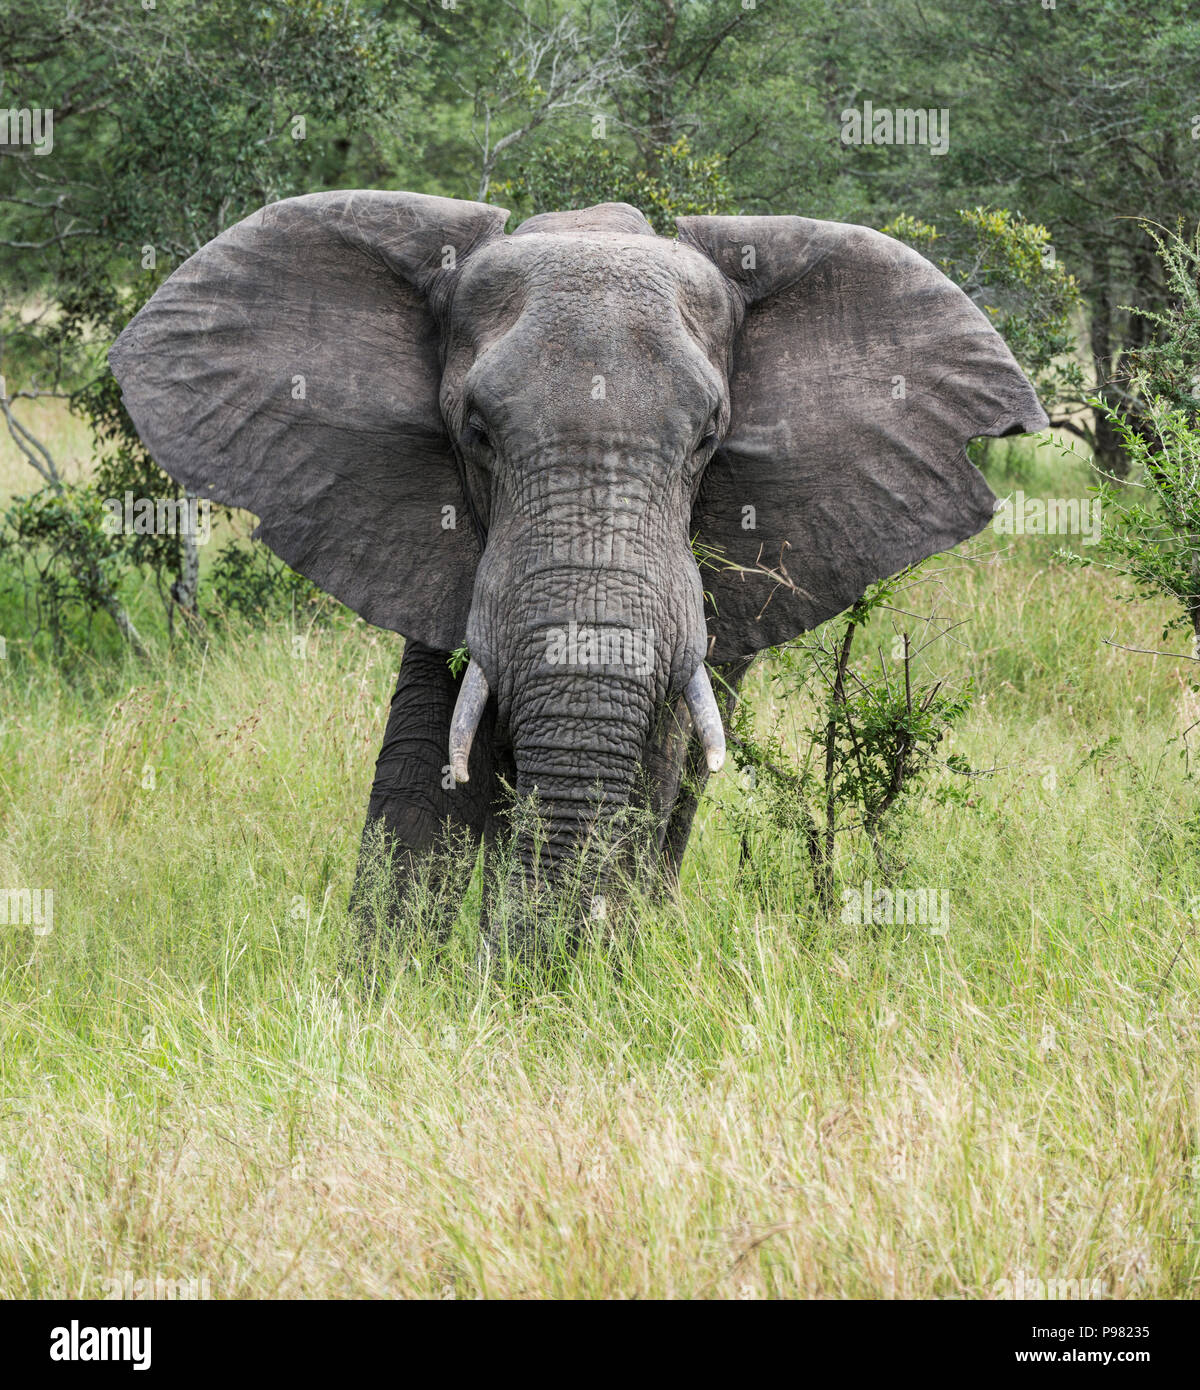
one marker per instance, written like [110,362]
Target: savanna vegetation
[785,1081]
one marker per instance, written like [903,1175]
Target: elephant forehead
[644,315]
[644,277]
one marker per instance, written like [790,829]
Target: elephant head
[514,441]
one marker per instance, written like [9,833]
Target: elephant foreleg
[423,828]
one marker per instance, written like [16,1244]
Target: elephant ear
[292,367]
[858,376]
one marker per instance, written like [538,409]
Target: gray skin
[471,436]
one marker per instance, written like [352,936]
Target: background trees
[1083,117]
[169,123]
[1067,125]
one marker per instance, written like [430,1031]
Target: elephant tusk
[468,711]
[702,705]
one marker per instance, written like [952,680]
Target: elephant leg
[497,843]
[422,828]
[676,825]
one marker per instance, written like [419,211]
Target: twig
[1149,651]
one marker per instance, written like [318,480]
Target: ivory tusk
[702,705]
[468,711]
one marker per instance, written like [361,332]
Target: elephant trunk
[473,695]
[579,766]
[580,736]
[588,616]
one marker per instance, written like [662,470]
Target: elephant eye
[476,433]
[711,430]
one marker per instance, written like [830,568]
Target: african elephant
[514,441]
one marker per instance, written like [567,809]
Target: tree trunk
[659,77]
[186,587]
[1110,457]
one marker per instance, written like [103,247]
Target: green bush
[255,584]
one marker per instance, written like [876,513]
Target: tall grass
[749,1100]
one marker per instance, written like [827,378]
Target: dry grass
[52,424]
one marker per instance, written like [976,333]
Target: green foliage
[60,557]
[197,113]
[576,175]
[1008,266]
[459,660]
[252,582]
[874,737]
[125,465]
[1151,532]
[1081,115]
[1167,366]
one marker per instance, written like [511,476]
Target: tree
[578,175]
[167,125]
[737,80]
[873,741]
[500,73]
[549,65]
[1151,533]
[1081,116]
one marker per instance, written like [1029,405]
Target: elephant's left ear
[858,376]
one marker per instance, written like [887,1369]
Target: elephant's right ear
[292,367]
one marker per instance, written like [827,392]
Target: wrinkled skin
[526,433]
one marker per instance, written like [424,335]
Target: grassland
[753,1101]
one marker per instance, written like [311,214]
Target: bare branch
[1150,651]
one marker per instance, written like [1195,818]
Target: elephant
[523,444]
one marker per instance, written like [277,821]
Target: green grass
[752,1101]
